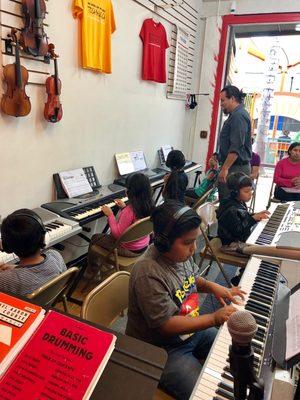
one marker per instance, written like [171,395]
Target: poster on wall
[181,63]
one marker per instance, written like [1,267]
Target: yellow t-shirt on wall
[98,23]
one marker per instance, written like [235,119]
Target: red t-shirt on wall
[155,43]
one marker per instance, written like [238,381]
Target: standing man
[235,148]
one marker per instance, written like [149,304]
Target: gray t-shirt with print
[158,290]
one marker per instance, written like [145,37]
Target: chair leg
[216,258]
[116,260]
[207,269]
[202,258]
[65,303]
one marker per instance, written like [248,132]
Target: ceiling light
[297,27]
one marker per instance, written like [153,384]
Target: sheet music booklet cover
[63,359]
[18,320]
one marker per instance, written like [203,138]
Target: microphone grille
[242,327]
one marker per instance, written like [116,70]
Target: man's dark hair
[22,235]
[238,180]
[233,91]
[292,146]
[175,160]
[139,194]
[163,215]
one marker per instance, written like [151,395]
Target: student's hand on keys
[261,215]
[237,295]
[106,210]
[120,203]
[222,315]
[223,293]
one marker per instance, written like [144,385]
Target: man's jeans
[183,366]
[223,188]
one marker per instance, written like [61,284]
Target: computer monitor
[131,162]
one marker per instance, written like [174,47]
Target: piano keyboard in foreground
[260,281]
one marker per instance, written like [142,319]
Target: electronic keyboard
[58,229]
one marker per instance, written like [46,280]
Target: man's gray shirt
[235,136]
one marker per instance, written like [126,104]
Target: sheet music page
[138,160]
[166,150]
[124,163]
[75,182]
[293,327]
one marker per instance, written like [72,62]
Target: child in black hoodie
[234,221]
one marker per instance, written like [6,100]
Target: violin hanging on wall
[53,109]
[14,101]
[33,37]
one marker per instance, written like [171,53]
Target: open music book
[75,182]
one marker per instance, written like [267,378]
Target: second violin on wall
[53,109]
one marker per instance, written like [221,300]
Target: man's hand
[223,175]
[296,181]
[261,215]
[106,210]
[120,203]
[222,293]
[223,314]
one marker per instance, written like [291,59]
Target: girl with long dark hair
[140,205]
[176,182]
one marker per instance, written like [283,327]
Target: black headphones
[192,103]
[235,186]
[28,214]
[161,240]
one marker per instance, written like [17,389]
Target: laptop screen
[165,151]
[131,162]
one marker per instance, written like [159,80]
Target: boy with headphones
[23,233]
[234,220]
[164,300]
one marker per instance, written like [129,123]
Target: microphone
[242,328]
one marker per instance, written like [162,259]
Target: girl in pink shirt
[140,205]
[287,175]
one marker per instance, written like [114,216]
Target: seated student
[23,233]
[234,220]
[140,205]
[164,300]
[287,174]
[207,182]
[175,182]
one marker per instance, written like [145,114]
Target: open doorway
[244,50]
[264,63]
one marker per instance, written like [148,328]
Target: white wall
[103,114]
[210,45]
